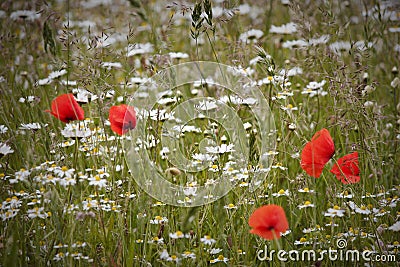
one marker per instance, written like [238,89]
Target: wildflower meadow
[199,133]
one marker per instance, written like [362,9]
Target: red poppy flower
[346,169]
[66,109]
[268,222]
[122,118]
[317,153]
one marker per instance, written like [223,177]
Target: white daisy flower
[110,65]
[395,227]
[178,55]
[220,149]
[288,28]
[30,15]
[3,129]
[97,181]
[251,35]
[5,149]
[207,240]
[137,49]
[306,204]
[335,211]
[31,126]
[37,213]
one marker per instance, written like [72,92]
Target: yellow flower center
[64,168]
[303,239]
[281,192]
[221,257]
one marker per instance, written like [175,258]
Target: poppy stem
[76,150]
[319,108]
[278,245]
[340,169]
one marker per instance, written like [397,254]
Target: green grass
[119,233]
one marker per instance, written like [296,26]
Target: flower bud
[367,90]
[174,171]
[395,83]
